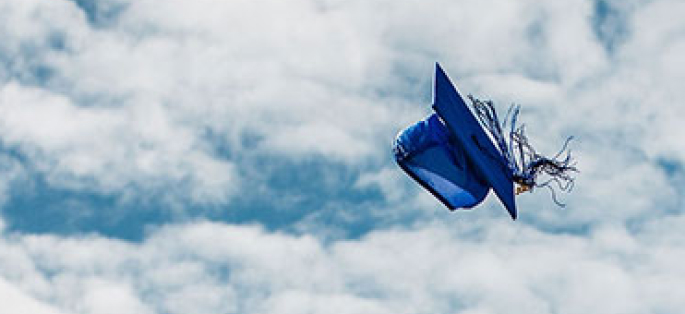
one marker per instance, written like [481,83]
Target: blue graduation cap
[450,154]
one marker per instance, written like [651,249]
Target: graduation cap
[450,154]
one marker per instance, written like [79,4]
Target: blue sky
[234,157]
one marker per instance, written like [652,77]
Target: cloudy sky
[211,156]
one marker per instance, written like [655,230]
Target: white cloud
[215,268]
[127,106]
[17,302]
[109,149]
[172,100]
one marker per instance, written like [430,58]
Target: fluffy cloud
[215,268]
[108,149]
[16,301]
[168,98]
[288,109]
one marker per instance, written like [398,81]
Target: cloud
[280,115]
[483,267]
[108,149]
[15,301]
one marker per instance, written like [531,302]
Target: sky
[214,156]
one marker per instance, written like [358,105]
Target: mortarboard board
[490,164]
